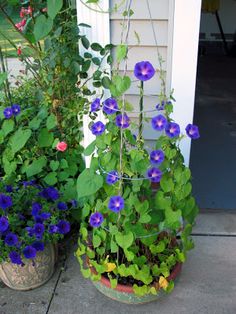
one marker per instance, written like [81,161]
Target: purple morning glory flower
[63,227]
[144,70]
[192,131]
[36,208]
[95,105]
[53,229]
[62,206]
[5,201]
[98,128]
[9,188]
[110,106]
[38,246]
[8,112]
[11,239]
[15,109]
[4,224]
[122,121]
[96,220]
[154,174]
[50,193]
[29,252]
[159,122]
[38,230]
[112,177]
[116,203]
[15,258]
[157,156]
[172,129]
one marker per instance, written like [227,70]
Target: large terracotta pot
[32,274]
[125,294]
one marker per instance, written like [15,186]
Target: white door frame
[184,25]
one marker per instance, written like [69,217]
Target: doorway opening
[213,157]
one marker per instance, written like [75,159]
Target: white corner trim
[184,64]
[100,33]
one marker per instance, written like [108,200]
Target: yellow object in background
[210,6]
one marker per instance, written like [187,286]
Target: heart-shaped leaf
[42,27]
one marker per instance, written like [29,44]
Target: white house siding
[161,11]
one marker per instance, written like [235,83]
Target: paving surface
[207,284]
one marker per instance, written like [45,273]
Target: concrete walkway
[207,284]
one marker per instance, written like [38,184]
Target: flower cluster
[12,111]
[30,216]
[24,14]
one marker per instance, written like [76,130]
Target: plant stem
[140,128]
[6,84]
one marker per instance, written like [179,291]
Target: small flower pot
[125,293]
[33,274]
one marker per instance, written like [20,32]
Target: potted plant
[138,209]
[32,221]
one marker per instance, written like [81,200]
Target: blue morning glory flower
[157,156]
[159,122]
[122,121]
[112,177]
[154,174]
[98,128]
[192,131]
[63,227]
[7,112]
[5,201]
[116,203]
[110,106]
[96,220]
[172,129]
[15,109]
[144,70]
[95,105]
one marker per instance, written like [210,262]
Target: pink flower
[61,146]
[21,25]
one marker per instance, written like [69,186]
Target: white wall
[227,15]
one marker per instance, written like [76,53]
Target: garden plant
[138,209]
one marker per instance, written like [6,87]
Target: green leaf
[51,178]
[42,27]
[160,247]
[88,183]
[172,217]
[96,241]
[124,240]
[54,6]
[36,166]
[96,47]
[51,121]
[8,126]
[167,184]
[35,123]
[3,77]
[121,52]
[89,149]
[85,42]
[45,138]
[145,218]
[54,164]
[106,82]
[19,139]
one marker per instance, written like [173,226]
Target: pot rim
[129,289]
